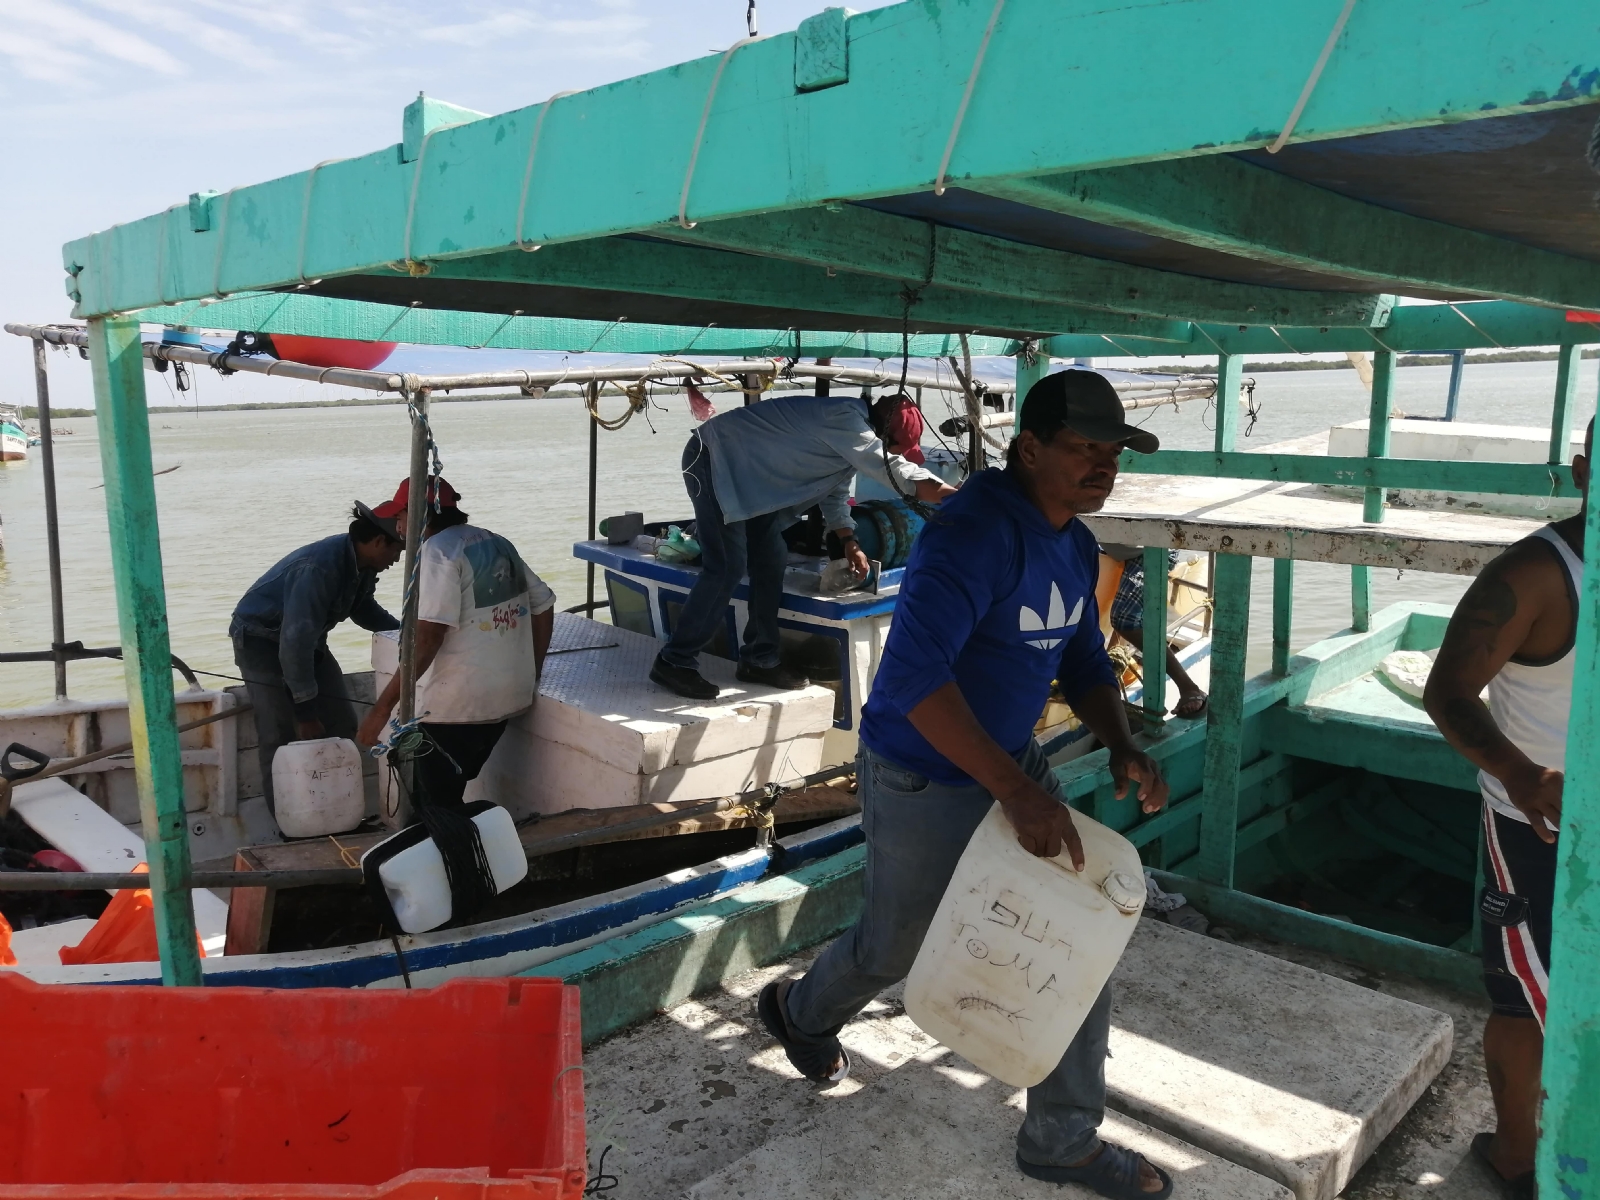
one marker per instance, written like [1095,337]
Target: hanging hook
[750,18]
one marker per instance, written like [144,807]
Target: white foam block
[1292,1073]
[77,826]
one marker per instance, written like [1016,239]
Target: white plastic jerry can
[415,879]
[1021,947]
[316,787]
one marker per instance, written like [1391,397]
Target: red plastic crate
[471,1089]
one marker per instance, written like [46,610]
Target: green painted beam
[1567,364]
[627,267]
[1351,740]
[1192,808]
[1474,325]
[1382,405]
[1282,613]
[1230,641]
[634,155]
[1230,374]
[1507,479]
[629,979]
[1032,366]
[1343,939]
[918,254]
[116,355]
[1222,203]
[1569,1145]
[324,316]
[1156,566]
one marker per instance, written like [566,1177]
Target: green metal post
[1566,393]
[1230,373]
[1031,367]
[1372,508]
[123,423]
[1155,636]
[1230,639]
[1569,1148]
[1282,613]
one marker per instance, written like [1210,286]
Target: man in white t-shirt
[483,626]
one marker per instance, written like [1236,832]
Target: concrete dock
[1262,1078]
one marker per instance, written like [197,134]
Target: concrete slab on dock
[939,1127]
[1293,1073]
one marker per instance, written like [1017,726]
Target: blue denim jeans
[915,832]
[728,549]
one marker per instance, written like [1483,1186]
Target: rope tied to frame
[1312,79]
[966,98]
[700,134]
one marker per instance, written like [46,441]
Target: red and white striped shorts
[1516,906]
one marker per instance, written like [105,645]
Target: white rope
[1282,339]
[1484,332]
[416,186]
[1311,80]
[527,171]
[515,313]
[699,136]
[305,217]
[222,241]
[966,98]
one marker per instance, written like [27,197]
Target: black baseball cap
[1086,403]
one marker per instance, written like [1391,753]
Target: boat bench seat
[1366,723]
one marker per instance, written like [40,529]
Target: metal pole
[52,523]
[1154,649]
[1453,396]
[822,381]
[124,427]
[1567,363]
[594,477]
[416,519]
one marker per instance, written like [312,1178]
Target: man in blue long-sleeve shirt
[280,633]
[997,602]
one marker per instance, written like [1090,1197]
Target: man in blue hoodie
[997,602]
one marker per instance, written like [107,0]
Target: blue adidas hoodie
[997,599]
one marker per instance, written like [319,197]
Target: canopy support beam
[123,422]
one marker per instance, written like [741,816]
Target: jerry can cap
[1124,890]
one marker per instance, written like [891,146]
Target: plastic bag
[678,547]
[702,408]
[125,932]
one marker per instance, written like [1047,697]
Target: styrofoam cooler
[1021,947]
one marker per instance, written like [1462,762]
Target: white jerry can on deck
[1021,947]
[316,787]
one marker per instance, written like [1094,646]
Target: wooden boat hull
[494,948]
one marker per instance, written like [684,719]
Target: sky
[115,109]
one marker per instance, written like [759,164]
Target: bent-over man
[280,633]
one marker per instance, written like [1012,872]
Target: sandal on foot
[1113,1173]
[1520,1188]
[1190,707]
[826,1062]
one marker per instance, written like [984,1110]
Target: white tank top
[1530,700]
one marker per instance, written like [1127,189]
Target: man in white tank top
[1514,634]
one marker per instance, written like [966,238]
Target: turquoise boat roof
[1008,170]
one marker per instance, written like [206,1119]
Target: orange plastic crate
[471,1089]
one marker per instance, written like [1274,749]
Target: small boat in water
[14,440]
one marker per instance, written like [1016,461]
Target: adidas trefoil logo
[1055,622]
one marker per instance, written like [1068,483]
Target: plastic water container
[415,879]
[316,787]
[1021,947]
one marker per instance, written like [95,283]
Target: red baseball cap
[448,497]
[903,427]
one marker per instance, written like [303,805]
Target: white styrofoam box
[77,826]
[568,778]
[602,735]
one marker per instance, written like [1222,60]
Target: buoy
[332,352]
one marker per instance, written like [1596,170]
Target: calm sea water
[251,486]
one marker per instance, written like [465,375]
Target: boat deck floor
[1283,520]
[1252,1099]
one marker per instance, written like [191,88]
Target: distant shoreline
[31,413]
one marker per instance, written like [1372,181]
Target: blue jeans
[727,550]
[915,832]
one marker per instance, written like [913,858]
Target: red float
[332,352]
